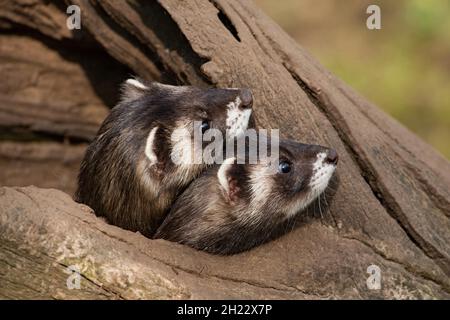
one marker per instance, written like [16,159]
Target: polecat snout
[127,175]
[234,207]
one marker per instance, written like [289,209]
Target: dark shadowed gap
[226,21]
[165,74]
[161,23]
[24,134]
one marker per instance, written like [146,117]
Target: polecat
[127,175]
[234,207]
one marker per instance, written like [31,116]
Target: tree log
[391,209]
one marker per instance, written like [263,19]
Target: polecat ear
[228,183]
[150,147]
[133,89]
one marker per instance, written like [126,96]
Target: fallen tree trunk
[391,209]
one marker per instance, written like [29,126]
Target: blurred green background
[404,67]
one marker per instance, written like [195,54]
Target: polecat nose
[332,157]
[246,98]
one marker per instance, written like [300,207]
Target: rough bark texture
[392,207]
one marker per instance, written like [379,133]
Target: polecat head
[183,113]
[248,202]
[302,174]
[223,109]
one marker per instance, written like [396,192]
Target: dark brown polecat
[234,207]
[127,174]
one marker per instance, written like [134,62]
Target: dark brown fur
[208,218]
[115,178]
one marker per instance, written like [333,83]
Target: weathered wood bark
[392,207]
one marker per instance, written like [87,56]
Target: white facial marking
[261,183]
[182,148]
[237,119]
[222,173]
[137,84]
[184,153]
[321,175]
[149,150]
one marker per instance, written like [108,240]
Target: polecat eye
[204,126]
[284,167]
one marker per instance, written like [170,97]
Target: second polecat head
[303,173]
[234,207]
